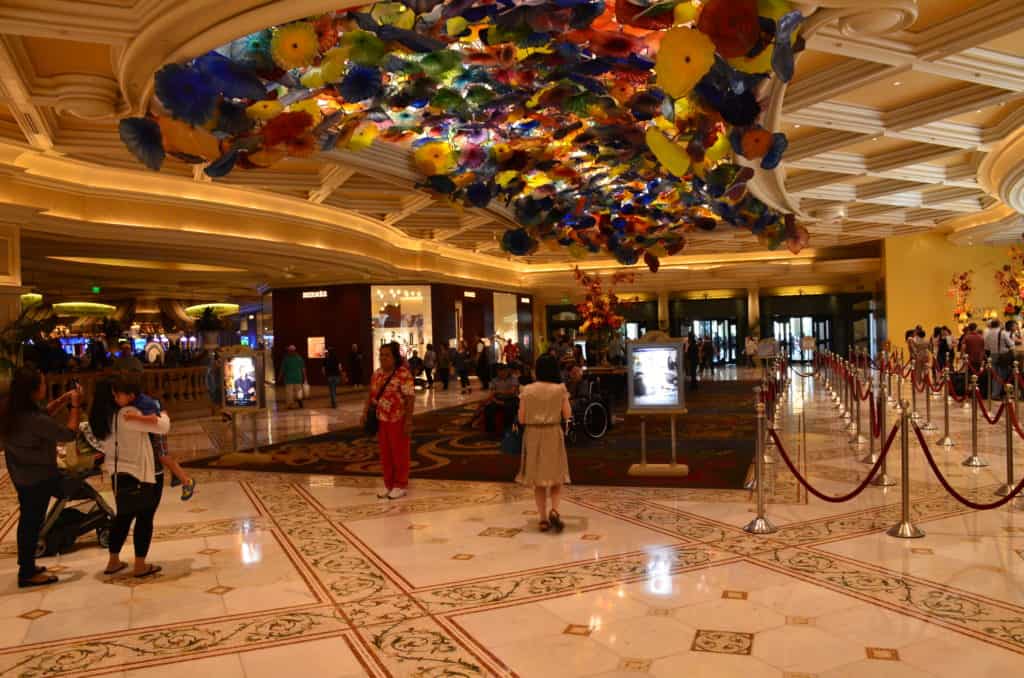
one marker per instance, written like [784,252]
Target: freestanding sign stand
[656,382]
[243,391]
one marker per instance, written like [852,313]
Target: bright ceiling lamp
[83,308]
[219,309]
[606,127]
[149,264]
[30,299]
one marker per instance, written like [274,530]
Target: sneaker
[383,493]
[188,489]
[397,493]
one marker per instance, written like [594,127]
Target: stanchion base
[929,426]
[946,442]
[750,484]
[760,526]
[1004,490]
[871,459]
[882,480]
[659,470]
[858,440]
[974,461]
[905,530]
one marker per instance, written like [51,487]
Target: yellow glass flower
[312,79]
[393,13]
[670,154]
[295,45]
[435,157]
[264,110]
[309,106]
[684,57]
[363,136]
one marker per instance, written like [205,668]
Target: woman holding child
[124,434]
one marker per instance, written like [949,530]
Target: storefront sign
[314,294]
[525,300]
[469,294]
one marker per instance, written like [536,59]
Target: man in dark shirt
[974,347]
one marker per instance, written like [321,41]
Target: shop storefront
[355,320]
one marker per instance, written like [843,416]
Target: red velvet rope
[936,389]
[1016,424]
[949,488]
[984,412]
[999,380]
[845,497]
[952,393]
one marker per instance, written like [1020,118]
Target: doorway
[723,336]
[789,331]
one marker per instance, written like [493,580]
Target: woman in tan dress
[542,407]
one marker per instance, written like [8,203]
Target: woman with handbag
[388,415]
[543,405]
[30,435]
[136,473]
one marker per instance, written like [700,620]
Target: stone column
[754,310]
[663,312]
[10,273]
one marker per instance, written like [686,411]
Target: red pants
[394,453]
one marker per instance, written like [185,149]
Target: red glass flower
[733,26]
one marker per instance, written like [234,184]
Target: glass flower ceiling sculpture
[602,124]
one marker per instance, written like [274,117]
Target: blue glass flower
[782,57]
[360,83]
[518,242]
[232,80]
[773,157]
[142,137]
[186,93]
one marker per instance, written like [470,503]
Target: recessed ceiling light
[1002,103]
[896,83]
[797,126]
[874,138]
[978,111]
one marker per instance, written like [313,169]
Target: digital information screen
[656,377]
[240,382]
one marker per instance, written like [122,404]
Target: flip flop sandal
[544,526]
[556,521]
[27,583]
[150,571]
[117,569]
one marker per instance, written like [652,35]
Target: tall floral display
[614,126]
[1009,279]
[960,289]
[599,312]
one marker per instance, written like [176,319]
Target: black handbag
[372,425]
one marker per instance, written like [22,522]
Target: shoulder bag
[372,425]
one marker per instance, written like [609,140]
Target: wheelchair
[591,416]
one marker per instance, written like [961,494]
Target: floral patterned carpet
[716,440]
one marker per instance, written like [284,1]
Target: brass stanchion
[760,524]
[905,529]
[882,478]
[856,438]
[927,425]
[1007,487]
[945,439]
[974,460]
[989,377]
[888,376]
[871,457]
[913,394]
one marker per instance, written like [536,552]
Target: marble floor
[271,575]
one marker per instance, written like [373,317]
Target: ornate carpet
[716,440]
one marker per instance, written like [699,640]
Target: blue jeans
[332,388]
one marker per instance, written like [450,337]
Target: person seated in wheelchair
[504,391]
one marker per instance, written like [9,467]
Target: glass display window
[403,314]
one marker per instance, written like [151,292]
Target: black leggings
[33,500]
[142,537]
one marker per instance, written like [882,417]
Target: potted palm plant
[208,326]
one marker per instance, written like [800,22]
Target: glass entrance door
[789,330]
[723,336]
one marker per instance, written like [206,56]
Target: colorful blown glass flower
[604,126]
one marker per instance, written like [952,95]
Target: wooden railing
[170,385]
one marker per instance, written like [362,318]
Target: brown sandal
[544,526]
[39,579]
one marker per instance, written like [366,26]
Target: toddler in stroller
[80,508]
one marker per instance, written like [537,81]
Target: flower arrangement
[1009,277]
[960,289]
[599,312]
[606,125]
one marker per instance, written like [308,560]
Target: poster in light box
[240,382]
[656,377]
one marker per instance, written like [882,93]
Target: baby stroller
[80,508]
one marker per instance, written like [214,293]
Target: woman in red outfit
[392,394]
